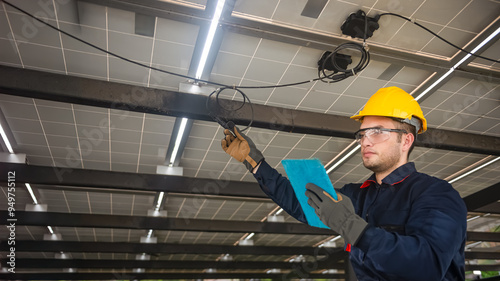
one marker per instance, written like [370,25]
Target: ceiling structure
[94,129]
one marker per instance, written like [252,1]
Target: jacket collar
[397,176]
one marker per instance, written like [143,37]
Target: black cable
[340,73]
[441,38]
[325,78]
[215,114]
[151,67]
[366,27]
[106,51]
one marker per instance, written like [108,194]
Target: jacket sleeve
[434,234]
[280,190]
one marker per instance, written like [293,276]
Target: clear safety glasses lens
[375,135]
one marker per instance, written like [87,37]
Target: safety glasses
[376,135]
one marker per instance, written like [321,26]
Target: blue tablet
[301,172]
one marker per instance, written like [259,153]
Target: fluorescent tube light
[28,186]
[6,140]
[435,84]
[150,233]
[488,39]
[180,133]
[50,229]
[335,238]
[160,198]
[343,159]
[250,236]
[479,46]
[473,218]
[472,245]
[210,38]
[279,211]
[330,241]
[474,170]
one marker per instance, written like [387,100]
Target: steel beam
[78,90]
[482,198]
[168,248]
[482,267]
[168,264]
[166,276]
[159,223]
[483,236]
[162,9]
[493,208]
[481,255]
[458,141]
[130,181]
[184,185]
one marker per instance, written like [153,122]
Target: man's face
[381,156]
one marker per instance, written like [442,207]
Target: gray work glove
[241,148]
[338,214]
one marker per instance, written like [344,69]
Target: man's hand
[338,214]
[241,148]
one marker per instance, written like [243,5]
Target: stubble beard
[382,163]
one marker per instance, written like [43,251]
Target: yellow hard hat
[394,102]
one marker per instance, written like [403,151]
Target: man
[399,224]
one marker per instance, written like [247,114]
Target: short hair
[409,128]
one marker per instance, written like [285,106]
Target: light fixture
[50,229]
[6,140]
[279,211]
[335,238]
[474,170]
[160,199]
[178,140]
[343,158]
[329,242]
[488,39]
[435,83]
[6,133]
[479,46]
[250,236]
[28,186]
[150,233]
[472,245]
[207,45]
[210,38]
[473,218]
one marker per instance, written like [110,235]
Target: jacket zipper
[377,188]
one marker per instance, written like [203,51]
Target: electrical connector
[357,24]
[334,62]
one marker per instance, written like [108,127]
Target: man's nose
[365,141]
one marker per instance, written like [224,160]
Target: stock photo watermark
[11,221]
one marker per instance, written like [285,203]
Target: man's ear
[408,140]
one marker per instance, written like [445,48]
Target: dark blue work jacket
[416,224]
